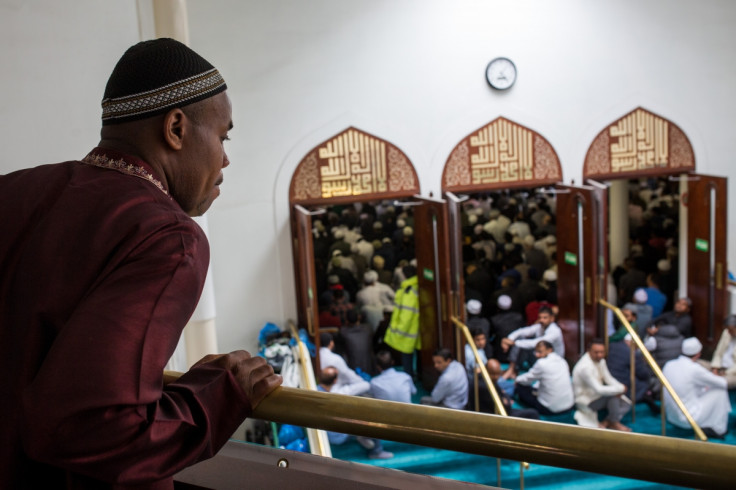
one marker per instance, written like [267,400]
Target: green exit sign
[701,245]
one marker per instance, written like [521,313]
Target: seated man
[595,388]
[520,343]
[502,324]
[391,384]
[620,330]
[664,341]
[348,381]
[451,390]
[480,341]
[485,401]
[327,382]
[358,340]
[642,309]
[724,358]
[619,364]
[474,308]
[554,393]
[679,317]
[704,394]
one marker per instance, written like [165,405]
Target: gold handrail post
[664,420]
[484,372]
[657,371]
[500,409]
[605,333]
[317,438]
[632,380]
[475,391]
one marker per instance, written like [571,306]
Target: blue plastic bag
[290,433]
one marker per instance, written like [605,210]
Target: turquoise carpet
[483,470]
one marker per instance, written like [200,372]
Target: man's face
[440,364]
[545,319]
[629,315]
[541,351]
[199,170]
[597,352]
[480,341]
[681,306]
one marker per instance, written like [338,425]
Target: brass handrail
[655,367]
[500,409]
[318,441]
[639,456]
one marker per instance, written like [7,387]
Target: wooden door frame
[707,250]
[578,267]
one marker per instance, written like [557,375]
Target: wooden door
[306,278]
[580,264]
[602,232]
[433,272]
[707,246]
[455,236]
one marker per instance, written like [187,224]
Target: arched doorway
[352,166]
[642,145]
[502,159]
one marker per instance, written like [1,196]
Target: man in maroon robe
[101,267]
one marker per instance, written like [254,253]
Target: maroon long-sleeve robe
[99,272]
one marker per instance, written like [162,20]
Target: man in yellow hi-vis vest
[403,331]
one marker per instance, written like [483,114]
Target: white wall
[411,72]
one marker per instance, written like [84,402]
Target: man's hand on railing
[253,374]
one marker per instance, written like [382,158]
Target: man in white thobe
[704,394]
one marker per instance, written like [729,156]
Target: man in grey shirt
[451,390]
[391,384]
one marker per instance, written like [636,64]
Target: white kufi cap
[474,306]
[691,346]
[504,302]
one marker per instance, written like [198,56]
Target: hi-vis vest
[403,331]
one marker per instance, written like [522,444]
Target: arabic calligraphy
[351,164]
[501,152]
[639,141]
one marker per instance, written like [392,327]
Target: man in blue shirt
[451,390]
[655,298]
[391,384]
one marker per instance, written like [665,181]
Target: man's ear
[175,128]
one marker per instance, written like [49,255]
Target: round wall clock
[501,73]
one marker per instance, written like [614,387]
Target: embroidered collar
[100,157]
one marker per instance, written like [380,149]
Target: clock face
[501,73]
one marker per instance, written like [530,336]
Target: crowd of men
[510,272]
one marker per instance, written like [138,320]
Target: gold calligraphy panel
[353,163]
[640,143]
[499,154]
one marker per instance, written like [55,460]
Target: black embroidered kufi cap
[153,77]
